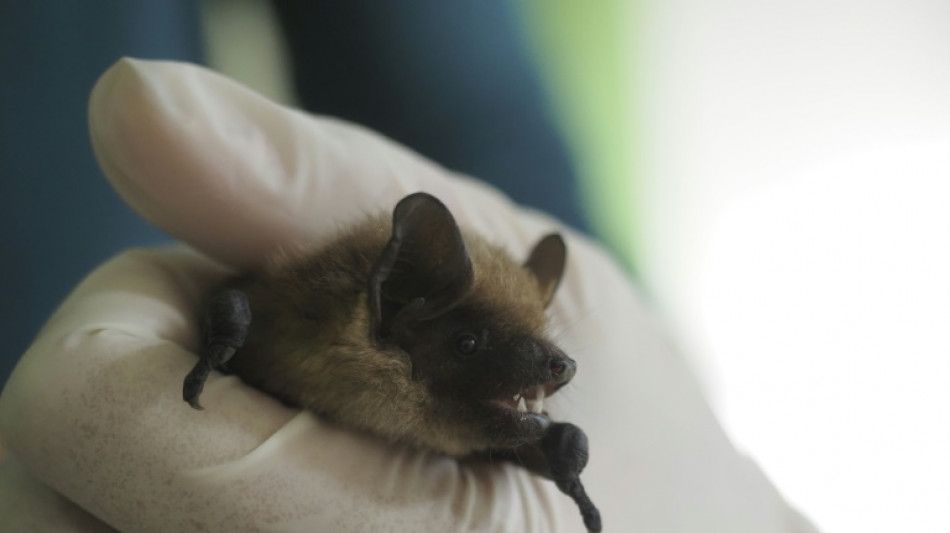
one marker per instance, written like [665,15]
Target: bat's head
[472,322]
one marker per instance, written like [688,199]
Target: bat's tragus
[413,330]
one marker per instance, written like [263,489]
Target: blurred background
[776,176]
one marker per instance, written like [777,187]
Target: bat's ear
[424,270]
[546,262]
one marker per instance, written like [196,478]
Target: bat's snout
[556,368]
[542,370]
[562,369]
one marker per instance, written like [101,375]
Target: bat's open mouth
[528,400]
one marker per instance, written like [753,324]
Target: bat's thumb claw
[190,393]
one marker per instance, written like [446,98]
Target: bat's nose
[550,364]
[562,368]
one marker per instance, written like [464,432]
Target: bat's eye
[466,344]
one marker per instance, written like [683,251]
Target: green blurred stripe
[585,53]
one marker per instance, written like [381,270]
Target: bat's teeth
[522,407]
[537,406]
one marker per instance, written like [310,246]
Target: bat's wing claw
[195,383]
[193,402]
[566,448]
[227,319]
[589,512]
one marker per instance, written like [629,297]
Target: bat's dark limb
[566,449]
[195,383]
[575,489]
[560,456]
[226,321]
[213,357]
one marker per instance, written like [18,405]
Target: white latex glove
[94,408]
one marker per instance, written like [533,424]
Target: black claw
[227,319]
[195,383]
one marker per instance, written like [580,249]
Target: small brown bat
[414,331]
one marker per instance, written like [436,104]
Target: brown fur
[310,340]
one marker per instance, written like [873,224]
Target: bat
[409,328]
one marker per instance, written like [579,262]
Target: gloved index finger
[235,175]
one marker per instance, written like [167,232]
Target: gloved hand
[94,408]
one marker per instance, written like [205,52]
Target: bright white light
[795,197]
[826,301]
